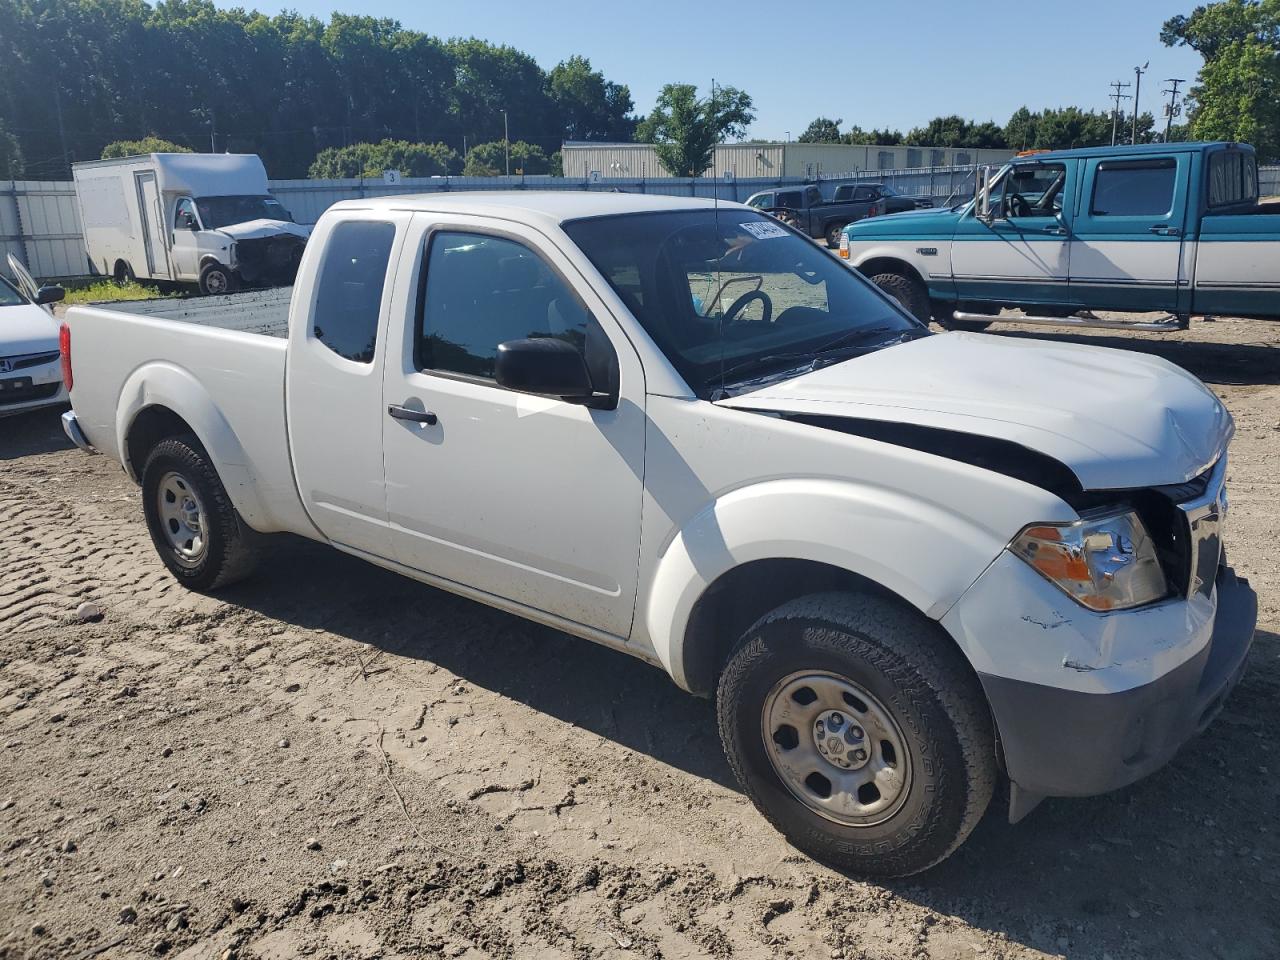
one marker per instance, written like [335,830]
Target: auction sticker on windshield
[763,229]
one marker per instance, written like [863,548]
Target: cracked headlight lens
[1104,562]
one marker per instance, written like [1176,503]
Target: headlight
[1104,562]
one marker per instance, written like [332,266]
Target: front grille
[26,360]
[41,391]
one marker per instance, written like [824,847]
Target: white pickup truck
[900,565]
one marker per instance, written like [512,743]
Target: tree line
[354,95]
[80,74]
[1049,129]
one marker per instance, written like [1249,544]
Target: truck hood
[26,328]
[1114,418]
[256,229]
[923,221]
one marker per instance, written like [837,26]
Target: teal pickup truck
[1173,228]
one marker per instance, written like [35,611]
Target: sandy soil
[332,761]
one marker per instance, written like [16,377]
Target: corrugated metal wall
[40,223]
[769,159]
[39,220]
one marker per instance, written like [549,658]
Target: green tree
[490,160]
[134,148]
[822,130]
[10,155]
[883,138]
[370,159]
[1058,128]
[1237,94]
[589,106]
[954,131]
[685,130]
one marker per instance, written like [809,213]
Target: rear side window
[790,198]
[349,298]
[482,291]
[1142,188]
[1233,178]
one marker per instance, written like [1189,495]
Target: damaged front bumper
[1122,692]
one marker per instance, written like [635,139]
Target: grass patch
[110,290]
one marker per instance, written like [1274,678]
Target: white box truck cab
[187,218]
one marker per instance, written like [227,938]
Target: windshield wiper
[852,339]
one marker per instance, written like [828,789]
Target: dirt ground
[332,761]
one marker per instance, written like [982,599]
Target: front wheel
[833,234]
[908,291]
[193,525]
[215,278]
[857,729]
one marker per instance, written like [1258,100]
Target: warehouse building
[812,160]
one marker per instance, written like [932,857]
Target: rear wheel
[908,291]
[123,273]
[193,525]
[858,730]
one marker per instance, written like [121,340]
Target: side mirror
[982,194]
[545,366]
[50,293]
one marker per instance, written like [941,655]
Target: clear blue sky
[893,64]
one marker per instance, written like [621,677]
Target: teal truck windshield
[735,297]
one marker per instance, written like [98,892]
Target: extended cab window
[1233,178]
[349,296]
[482,291]
[1134,188]
[790,198]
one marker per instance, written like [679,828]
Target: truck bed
[264,312]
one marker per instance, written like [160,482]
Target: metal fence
[40,221]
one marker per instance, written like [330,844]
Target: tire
[214,551]
[908,291]
[216,278]
[918,693]
[833,235]
[123,273]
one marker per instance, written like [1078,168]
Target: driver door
[529,498]
[186,240]
[1023,255]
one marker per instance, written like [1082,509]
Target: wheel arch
[161,400]
[762,545]
[872,266]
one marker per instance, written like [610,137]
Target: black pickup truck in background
[893,201]
[805,209]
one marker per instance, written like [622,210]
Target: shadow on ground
[25,434]
[1223,363]
[1173,866]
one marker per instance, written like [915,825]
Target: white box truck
[201,219]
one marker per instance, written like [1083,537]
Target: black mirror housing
[50,293]
[545,366]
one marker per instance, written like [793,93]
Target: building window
[937,158]
[886,159]
[915,158]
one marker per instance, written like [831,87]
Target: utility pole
[506,141]
[1172,110]
[1137,89]
[1117,96]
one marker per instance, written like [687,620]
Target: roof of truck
[1125,150]
[558,206]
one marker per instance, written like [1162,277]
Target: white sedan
[30,374]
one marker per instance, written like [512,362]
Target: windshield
[735,298]
[9,295]
[218,212]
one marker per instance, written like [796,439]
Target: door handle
[1056,231]
[413,416]
[1163,230]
